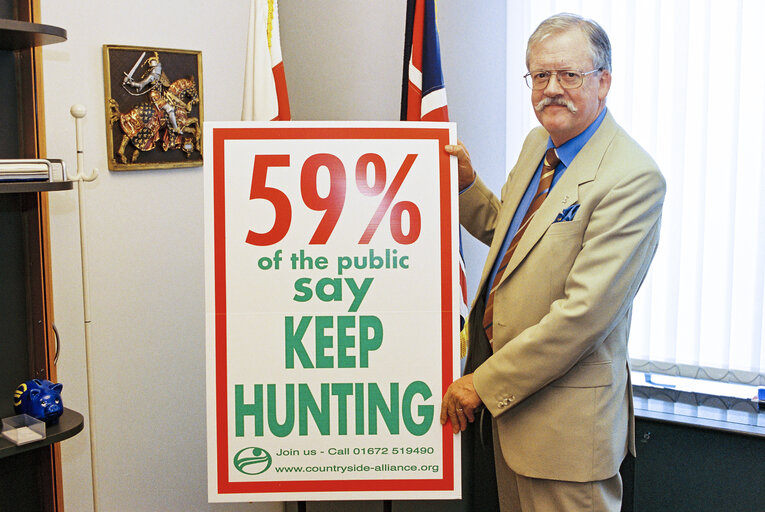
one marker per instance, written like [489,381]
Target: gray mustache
[557,100]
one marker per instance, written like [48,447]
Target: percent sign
[332,204]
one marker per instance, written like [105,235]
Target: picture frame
[154,108]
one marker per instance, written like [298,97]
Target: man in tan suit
[549,360]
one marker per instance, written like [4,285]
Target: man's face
[567,50]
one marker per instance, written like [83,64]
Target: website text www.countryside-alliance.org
[357,468]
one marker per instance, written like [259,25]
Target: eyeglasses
[567,78]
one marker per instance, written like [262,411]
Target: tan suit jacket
[557,383]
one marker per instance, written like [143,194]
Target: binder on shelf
[32,169]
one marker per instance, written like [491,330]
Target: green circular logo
[252,460]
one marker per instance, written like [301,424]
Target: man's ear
[604,84]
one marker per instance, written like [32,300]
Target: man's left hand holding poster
[331,256]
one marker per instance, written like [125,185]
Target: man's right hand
[466,173]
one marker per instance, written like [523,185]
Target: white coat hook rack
[78,112]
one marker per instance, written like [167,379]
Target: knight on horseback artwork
[159,115]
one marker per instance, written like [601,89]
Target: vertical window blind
[689,87]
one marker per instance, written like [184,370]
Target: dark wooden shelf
[14,187]
[69,424]
[19,35]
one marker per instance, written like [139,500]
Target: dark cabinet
[681,467]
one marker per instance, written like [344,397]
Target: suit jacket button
[501,405]
[511,398]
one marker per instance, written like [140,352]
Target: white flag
[265,87]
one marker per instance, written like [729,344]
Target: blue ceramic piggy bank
[40,399]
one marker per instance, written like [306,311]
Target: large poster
[332,310]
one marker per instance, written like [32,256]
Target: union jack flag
[423,95]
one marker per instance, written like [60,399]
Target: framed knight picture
[153,107]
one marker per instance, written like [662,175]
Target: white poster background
[259,292]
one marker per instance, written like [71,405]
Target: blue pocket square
[567,214]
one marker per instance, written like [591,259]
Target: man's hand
[459,403]
[465,169]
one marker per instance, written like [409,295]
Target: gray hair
[600,46]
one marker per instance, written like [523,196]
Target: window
[689,86]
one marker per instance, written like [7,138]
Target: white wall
[343,58]
[474,57]
[343,61]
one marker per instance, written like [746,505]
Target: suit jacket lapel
[566,191]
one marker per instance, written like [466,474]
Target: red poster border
[220,136]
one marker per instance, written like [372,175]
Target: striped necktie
[545,184]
